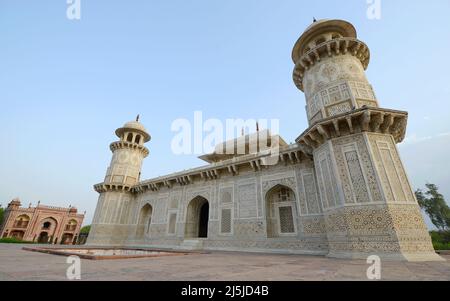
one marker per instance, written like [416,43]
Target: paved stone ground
[17,264]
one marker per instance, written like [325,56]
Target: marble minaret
[369,205]
[111,223]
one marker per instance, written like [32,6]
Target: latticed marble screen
[281,211]
[172,223]
[357,177]
[225,224]
[284,195]
[286,220]
[226,197]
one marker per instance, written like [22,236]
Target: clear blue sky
[65,86]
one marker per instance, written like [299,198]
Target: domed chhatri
[341,190]
[15,203]
[330,41]
[128,154]
[73,210]
[324,26]
[133,127]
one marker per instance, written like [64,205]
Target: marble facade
[341,190]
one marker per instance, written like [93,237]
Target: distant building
[42,224]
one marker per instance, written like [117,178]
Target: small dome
[15,202]
[134,126]
[346,29]
[73,210]
[318,22]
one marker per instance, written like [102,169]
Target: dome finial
[137,118]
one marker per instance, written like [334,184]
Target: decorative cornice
[328,49]
[374,120]
[129,145]
[105,187]
[42,208]
[292,154]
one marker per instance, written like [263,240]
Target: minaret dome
[133,131]
[330,64]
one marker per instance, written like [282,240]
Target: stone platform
[17,264]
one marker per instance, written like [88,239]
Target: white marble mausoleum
[341,190]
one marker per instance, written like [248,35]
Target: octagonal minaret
[330,64]
[111,222]
[368,203]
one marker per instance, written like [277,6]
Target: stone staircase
[192,244]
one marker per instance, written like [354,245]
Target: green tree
[1,214]
[433,203]
[85,229]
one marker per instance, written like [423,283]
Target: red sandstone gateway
[41,224]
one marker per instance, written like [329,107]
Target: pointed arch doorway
[197,218]
[144,222]
[281,212]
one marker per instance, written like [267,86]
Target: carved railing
[20,225]
[375,120]
[330,48]
[70,228]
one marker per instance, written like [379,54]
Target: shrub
[438,246]
[441,240]
[85,229]
[2,213]
[12,240]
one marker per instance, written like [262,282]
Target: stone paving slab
[17,264]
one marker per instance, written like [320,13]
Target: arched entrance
[43,238]
[22,221]
[48,230]
[17,234]
[67,239]
[204,219]
[145,220]
[71,225]
[197,218]
[281,212]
